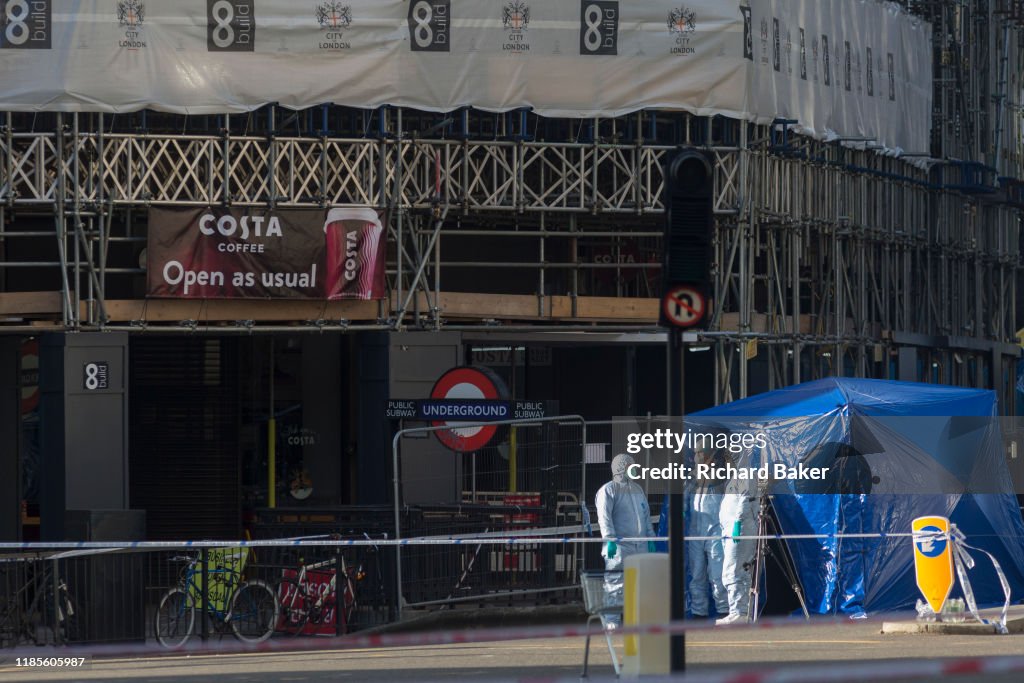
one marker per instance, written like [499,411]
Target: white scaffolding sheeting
[840,69]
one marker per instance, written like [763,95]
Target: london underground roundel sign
[467,384]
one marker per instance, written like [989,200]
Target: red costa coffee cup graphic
[355,268]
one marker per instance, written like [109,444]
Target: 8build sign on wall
[25,24]
[234,253]
[230,25]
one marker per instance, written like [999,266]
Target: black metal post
[56,605]
[390,579]
[340,581]
[204,626]
[676,530]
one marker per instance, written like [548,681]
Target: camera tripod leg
[754,603]
[766,527]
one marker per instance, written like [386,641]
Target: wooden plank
[764,324]
[454,305]
[466,306]
[560,307]
[618,309]
[499,306]
[30,303]
[555,308]
[271,310]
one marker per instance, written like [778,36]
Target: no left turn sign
[683,306]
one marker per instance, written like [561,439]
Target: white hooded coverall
[704,558]
[739,504]
[622,512]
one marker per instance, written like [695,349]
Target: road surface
[708,652]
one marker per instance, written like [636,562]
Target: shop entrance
[298,425]
[223,426]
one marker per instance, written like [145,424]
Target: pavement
[1014,624]
[858,648]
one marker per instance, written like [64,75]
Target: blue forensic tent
[896,451]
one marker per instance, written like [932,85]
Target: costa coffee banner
[217,253]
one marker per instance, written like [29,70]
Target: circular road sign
[683,306]
[464,383]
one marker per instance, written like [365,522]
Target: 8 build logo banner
[25,24]
[599,27]
[430,25]
[220,253]
[230,25]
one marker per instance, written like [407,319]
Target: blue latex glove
[612,548]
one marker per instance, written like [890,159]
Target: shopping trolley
[600,603]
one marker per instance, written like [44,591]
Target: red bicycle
[309,598]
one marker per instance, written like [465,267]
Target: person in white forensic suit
[704,557]
[622,512]
[738,517]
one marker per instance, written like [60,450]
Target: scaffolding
[831,257]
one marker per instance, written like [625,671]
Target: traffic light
[688,197]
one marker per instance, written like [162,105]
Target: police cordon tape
[534,537]
[964,561]
[836,672]
[806,672]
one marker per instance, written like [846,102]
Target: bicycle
[311,596]
[248,607]
[30,615]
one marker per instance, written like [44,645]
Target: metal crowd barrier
[57,596]
[451,574]
[89,593]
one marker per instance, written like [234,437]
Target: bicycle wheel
[175,618]
[347,605]
[254,612]
[295,607]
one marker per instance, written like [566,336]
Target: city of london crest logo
[333,16]
[515,16]
[130,13]
[334,19]
[682,20]
[682,23]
